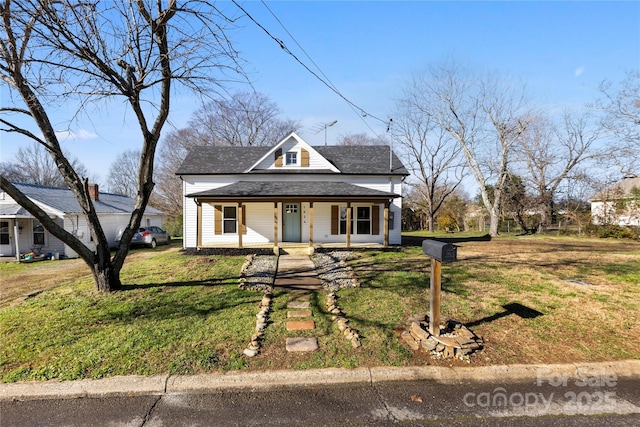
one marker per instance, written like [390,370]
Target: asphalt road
[407,403]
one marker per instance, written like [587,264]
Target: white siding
[607,213]
[260,215]
[111,225]
[25,238]
[293,144]
[74,224]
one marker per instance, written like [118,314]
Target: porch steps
[296,273]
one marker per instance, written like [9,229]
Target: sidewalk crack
[390,413]
[147,416]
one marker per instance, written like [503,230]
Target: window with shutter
[217,220]
[243,229]
[334,219]
[375,220]
[278,158]
[363,225]
[291,158]
[229,219]
[343,220]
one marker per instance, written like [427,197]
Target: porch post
[275,224]
[386,224]
[199,225]
[240,224]
[310,224]
[16,238]
[348,224]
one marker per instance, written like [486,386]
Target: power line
[333,86]
[324,80]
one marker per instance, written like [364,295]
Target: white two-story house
[292,192]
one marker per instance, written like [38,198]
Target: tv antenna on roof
[323,126]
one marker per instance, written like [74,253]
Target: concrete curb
[134,384]
[164,384]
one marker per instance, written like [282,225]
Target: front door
[291,222]
[6,248]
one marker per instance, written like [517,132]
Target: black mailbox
[440,251]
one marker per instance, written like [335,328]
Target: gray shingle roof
[350,160]
[620,190]
[362,159]
[220,160]
[265,190]
[63,199]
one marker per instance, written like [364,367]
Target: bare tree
[621,107]
[551,151]
[361,139]
[247,119]
[173,150]
[123,173]
[519,204]
[486,115]
[578,188]
[433,156]
[84,52]
[33,165]
[453,212]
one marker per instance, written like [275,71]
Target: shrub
[613,231]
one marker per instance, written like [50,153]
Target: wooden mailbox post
[439,252]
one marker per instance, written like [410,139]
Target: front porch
[316,213]
[287,248]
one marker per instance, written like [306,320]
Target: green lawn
[177,314]
[184,314]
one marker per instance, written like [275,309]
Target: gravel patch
[258,273]
[333,270]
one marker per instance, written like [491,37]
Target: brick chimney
[93,192]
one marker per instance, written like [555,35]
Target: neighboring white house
[619,204]
[21,233]
[291,192]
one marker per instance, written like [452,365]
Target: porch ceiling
[316,190]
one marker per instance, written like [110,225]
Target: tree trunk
[523,223]
[106,277]
[494,222]
[546,213]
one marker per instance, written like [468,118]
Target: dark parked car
[149,236]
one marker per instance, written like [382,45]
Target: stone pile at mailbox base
[455,339]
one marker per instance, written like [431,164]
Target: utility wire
[333,86]
[324,80]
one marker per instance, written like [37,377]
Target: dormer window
[292,158]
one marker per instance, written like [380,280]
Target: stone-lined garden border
[258,273]
[262,319]
[340,318]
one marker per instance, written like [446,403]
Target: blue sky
[370,49]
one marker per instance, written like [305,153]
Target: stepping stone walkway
[299,309]
[301,325]
[299,313]
[302,344]
[296,273]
